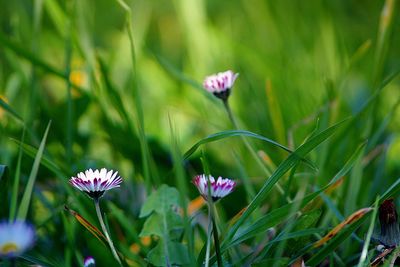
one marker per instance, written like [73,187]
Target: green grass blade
[278,215]
[392,190]
[383,38]
[10,110]
[333,244]
[364,251]
[14,195]
[45,160]
[231,133]
[285,166]
[26,199]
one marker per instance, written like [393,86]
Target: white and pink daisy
[219,188]
[220,84]
[15,238]
[95,183]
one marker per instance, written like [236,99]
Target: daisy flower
[95,183]
[219,188]
[220,84]
[15,238]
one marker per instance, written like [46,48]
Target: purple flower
[15,238]
[220,84]
[89,262]
[219,188]
[95,183]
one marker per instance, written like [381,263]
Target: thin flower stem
[207,261]
[215,233]
[251,149]
[103,226]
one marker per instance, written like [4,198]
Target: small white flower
[220,84]
[15,238]
[219,188]
[95,183]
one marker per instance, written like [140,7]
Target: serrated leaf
[160,201]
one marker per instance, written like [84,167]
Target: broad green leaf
[154,224]
[177,254]
[26,199]
[160,201]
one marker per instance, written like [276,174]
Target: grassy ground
[119,85]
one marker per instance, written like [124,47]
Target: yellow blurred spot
[135,248]
[8,248]
[146,240]
[77,77]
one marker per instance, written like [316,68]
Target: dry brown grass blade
[92,229]
[349,220]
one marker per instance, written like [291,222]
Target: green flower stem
[207,261]
[215,233]
[103,227]
[251,149]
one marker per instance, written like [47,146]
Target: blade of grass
[14,195]
[10,110]
[149,168]
[364,251]
[384,31]
[285,166]
[90,227]
[45,160]
[26,199]
[232,133]
[183,190]
[335,242]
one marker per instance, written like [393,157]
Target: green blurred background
[301,65]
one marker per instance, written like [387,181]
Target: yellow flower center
[8,248]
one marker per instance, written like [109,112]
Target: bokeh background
[302,65]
